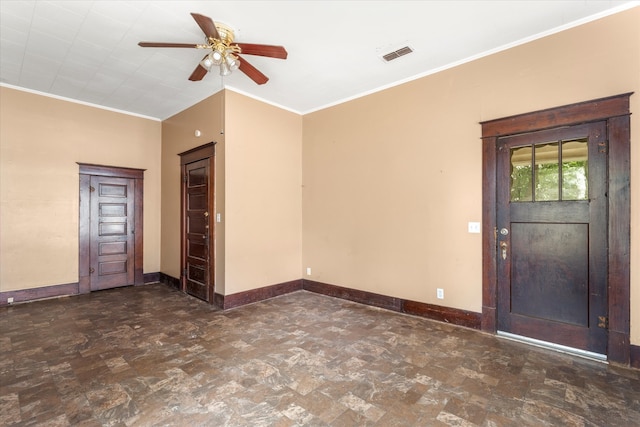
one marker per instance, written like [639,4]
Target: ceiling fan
[225,53]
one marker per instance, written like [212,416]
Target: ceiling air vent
[397,53]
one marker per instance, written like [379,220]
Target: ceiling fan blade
[199,73]
[207,25]
[160,44]
[263,50]
[251,71]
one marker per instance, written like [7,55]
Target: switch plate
[217,217]
[474,227]
[440,293]
[308,271]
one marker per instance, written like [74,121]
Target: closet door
[197,248]
[197,213]
[112,250]
[110,227]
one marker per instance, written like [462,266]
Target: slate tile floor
[151,356]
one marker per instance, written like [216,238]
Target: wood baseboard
[635,356]
[254,295]
[241,298]
[454,316]
[33,294]
[362,297]
[151,277]
[55,291]
[169,280]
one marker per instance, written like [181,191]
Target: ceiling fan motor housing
[225,32]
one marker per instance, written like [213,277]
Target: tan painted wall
[391,180]
[263,196]
[41,139]
[178,135]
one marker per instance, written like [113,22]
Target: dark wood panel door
[197,276]
[112,248]
[552,236]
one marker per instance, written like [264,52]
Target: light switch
[474,227]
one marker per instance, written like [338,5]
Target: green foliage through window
[550,180]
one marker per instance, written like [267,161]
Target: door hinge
[184,272]
[602,147]
[603,322]
[91,270]
[91,188]
[184,178]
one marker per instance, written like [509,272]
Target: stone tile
[465,410]
[152,356]
[9,409]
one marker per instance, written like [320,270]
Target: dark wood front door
[197,241]
[112,248]
[552,236]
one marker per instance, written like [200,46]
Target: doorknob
[503,247]
[206,214]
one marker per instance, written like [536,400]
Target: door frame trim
[615,111]
[206,151]
[87,170]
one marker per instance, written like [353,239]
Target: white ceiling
[87,50]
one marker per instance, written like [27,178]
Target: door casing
[86,172]
[615,111]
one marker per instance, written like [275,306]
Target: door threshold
[556,347]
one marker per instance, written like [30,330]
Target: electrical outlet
[308,271]
[10,300]
[440,293]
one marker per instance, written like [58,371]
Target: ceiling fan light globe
[224,69]
[216,57]
[207,63]
[232,63]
